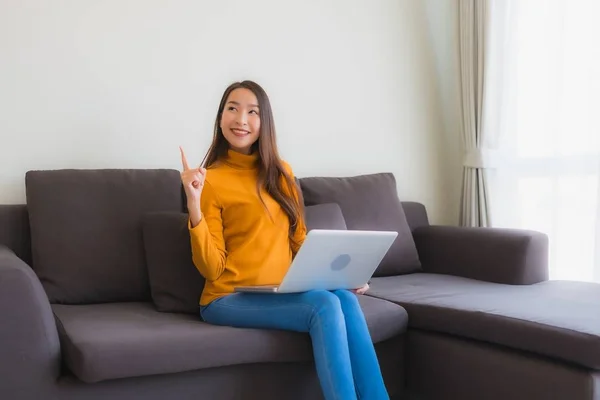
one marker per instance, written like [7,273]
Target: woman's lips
[239,132]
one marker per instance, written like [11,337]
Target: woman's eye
[254,111]
[231,108]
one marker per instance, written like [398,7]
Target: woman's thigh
[292,311]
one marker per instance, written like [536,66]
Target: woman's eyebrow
[237,104]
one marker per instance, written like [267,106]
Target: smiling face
[240,120]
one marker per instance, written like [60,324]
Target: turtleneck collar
[241,161]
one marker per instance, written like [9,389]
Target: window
[550,131]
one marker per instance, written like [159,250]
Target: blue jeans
[344,355]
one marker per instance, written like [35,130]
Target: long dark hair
[272,175]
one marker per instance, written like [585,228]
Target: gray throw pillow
[175,283]
[369,202]
[324,216]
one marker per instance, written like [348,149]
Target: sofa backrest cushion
[86,231]
[369,202]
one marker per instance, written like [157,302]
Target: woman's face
[240,121]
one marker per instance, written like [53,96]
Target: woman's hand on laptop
[361,290]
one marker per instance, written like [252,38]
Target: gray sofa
[98,299]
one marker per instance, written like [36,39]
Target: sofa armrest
[510,256]
[29,343]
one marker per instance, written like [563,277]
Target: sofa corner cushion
[556,319]
[369,202]
[175,283]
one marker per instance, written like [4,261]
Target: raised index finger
[184,160]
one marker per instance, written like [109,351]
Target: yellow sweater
[237,242]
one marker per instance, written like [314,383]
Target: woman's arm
[300,232]
[206,234]
[299,236]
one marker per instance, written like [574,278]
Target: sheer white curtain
[550,129]
[474,34]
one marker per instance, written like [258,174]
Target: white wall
[355,86]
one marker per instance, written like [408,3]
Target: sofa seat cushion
[557,319]
[120,340]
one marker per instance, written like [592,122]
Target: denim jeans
[344,355]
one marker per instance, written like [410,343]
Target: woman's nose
[242,119]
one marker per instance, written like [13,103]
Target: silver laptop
[332,259]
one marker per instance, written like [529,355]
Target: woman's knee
[325,301]
[347,298]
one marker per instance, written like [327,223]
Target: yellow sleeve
[300,232]
[299,236]
[208,244]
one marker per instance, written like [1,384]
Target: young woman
[246,225]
